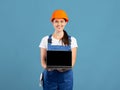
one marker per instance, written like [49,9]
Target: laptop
[59,59]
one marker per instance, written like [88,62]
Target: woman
[58,79]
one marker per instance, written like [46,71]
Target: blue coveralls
[55,80]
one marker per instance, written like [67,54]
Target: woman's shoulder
[73,38]
[45,37]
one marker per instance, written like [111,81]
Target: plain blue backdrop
[94,23]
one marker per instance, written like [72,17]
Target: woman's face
[59,24]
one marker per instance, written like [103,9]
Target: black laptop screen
[59,58]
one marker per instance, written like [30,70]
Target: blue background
[94,23]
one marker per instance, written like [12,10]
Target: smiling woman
[59,24]
[58,78]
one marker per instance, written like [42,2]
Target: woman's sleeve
[43,43]
[73,42]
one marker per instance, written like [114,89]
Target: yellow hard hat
[59,14]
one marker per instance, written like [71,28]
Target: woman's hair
[63,18]
[65,38]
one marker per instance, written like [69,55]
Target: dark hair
[63,18]
[65,38]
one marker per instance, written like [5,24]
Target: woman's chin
[59,30]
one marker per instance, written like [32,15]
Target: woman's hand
[63,69]
[49,69]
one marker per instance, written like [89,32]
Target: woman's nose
[59,23]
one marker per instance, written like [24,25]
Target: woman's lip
[58,27]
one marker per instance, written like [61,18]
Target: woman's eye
[56,21]
[61,21]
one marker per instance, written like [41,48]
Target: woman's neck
[58,35]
